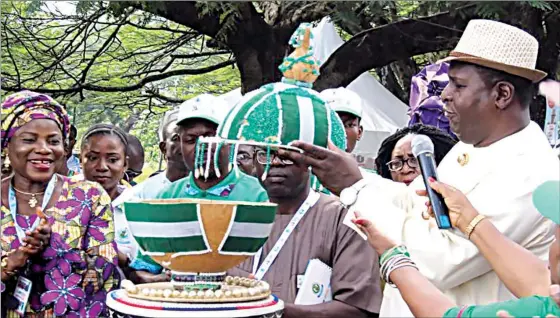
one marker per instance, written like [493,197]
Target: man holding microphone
[501,158]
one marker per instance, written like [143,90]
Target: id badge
[22,292]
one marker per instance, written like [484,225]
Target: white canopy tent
[383,112]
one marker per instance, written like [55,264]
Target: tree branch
[195,55]
[148,79]
[155,94]
[399,40]
[184,13]
[108,41]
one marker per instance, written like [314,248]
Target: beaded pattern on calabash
[279,113]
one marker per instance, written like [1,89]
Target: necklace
[33,200]
[13,205]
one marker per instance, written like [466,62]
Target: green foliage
[47,50]
[491,10]
[541,5]
[33,6]
[227,12]
[114,61]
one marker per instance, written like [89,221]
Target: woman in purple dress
[66,251]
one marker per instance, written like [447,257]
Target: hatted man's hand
[335,169]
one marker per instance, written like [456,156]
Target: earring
[7,162]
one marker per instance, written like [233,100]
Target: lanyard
[13,206]
[312,198]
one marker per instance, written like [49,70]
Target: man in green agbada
[199,117]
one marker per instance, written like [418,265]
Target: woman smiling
[64,254]
[395,160]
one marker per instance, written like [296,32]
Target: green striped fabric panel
[321,123]
[235,118]
[248,230]
[290,120]
[166,228]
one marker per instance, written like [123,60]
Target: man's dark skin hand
[142,277]
[324,162]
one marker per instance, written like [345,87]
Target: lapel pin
[463,159]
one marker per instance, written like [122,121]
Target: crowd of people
[63,227]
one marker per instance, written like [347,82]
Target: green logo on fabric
[316,288]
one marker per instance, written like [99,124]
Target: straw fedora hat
[498,46]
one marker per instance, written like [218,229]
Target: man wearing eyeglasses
[320,234]
[308,224]
[245,159]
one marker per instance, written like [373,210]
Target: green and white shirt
[236,186]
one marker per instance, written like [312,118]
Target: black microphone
[423,150]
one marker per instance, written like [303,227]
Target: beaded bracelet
[392,264]
[396,257]
[396,250]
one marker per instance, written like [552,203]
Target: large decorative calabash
[277,114]
[205,237]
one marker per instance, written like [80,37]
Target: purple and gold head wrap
[426,104]
[22,107]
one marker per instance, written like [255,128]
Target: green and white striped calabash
[279,113]
[199,236]
[274,116]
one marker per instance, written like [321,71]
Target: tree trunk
[404,70]
[257,47]
[131,120]
[388,79]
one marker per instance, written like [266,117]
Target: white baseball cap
[203,106]
[170,116]
[343,100]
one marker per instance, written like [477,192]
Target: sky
[65,7]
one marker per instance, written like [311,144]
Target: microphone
[423,150]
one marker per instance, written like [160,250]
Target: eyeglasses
[242,157]
[261,158]
[398,164]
